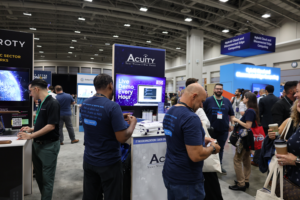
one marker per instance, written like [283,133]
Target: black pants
[99,180]
[212,186]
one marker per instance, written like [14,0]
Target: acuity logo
[140,61]
[156,161]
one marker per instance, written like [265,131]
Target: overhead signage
[256,73]
[136,60]
[248,44]
[86,78]
[45,75]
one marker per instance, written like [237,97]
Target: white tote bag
[212,163]
[264,193]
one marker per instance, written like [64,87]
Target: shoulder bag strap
[286,129]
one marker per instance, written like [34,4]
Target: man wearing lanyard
[218,110]
[46,143]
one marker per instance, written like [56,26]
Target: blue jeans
[221,137]
[185,192]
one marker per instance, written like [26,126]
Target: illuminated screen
[86,91]
[14,85]
[257,87]
[148,93]
[130,89]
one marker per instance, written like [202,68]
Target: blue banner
[248,44]
[145,140]
[45,75]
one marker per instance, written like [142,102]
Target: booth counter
[147,161]
[16,169]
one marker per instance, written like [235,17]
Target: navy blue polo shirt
[101,118]
[211,109]
[65,100]
[182,127]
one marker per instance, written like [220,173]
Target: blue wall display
[136,60]
[45,75]
[248,44]
[234,76]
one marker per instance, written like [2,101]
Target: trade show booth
[16,71]
[139,78]
[237,76]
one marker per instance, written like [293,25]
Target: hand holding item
[24,136]
[132,119]
[26,128]
[287,159]
[272,135]
[218,148]
[235,119]
[208,140]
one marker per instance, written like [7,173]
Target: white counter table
[15,169]
[147,160]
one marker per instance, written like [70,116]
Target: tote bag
[259,135]
[212,163]
[264,193]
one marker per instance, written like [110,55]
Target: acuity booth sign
[248,44]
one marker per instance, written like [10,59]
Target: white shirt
[200,112]
[52,94]
[262,96]
[236,104]
[242,107]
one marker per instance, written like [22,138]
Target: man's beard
[218,94]
[237,95]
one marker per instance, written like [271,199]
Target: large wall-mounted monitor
[14,86]
[131,89]
[86,91]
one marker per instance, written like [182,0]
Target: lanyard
[218,102]
[186,106]
[38,110]
[99,95]
[287,101]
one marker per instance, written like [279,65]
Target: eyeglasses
[218,88]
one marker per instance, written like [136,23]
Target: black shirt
[281,110]
[49,114]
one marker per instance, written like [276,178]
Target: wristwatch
[214,151]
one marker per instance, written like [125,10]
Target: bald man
[186,146]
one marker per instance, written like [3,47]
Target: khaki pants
[242,167]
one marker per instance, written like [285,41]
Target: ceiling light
[224,1]
[89,0]
[36,38]
[165,32]
[71,47]
[128,25]
[178,48]
[27,14]
[33,29]
[107,44]
[144,9]
[267,15]
[41,51]
[92,58]
[38,46]
[188,19]
[96,54]
[225,31]
[116,36]
[100,49]
[81,18]
[148,41]
[77,31]
[74,40]
[70,52]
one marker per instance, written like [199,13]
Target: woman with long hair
[242,163]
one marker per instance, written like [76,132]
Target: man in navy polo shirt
[65,100]
[104,130]
[186,147]
[218,109]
